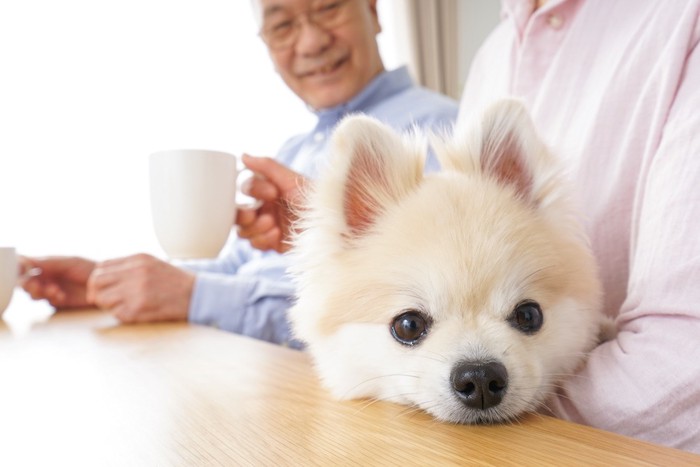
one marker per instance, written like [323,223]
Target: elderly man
[326,52]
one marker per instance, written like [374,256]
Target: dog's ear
[376,167]
[509,144]
[504,144]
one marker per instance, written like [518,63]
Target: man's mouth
[325,69]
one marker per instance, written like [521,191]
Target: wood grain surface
[81,389]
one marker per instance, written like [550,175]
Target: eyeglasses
[281,30]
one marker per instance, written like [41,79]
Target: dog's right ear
[374,168]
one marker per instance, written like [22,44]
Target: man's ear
[375,16]
[376,168]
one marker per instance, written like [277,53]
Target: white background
[89,88]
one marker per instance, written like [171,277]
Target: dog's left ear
[504,145]
[376,168]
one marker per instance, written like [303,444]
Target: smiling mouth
[326,69]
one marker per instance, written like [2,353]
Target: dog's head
[470,292]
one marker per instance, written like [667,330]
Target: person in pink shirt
[614,89]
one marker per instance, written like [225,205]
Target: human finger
[102,278]
[54,294]
[123,313]
[262,224]
[114,263]
[128,315]
[269,240]
[107,298]
[34,287]
[38,289]
[262,189]
[282,177]
[246,217]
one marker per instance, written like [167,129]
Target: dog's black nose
[480,385]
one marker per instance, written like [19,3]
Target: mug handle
[244,201]
[26,271]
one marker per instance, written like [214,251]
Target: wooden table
[81,389]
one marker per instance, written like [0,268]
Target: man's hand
[60,280]
[280,189]
[141,288]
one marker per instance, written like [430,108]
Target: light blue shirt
[248,291]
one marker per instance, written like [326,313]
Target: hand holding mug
[60,280]
[280,189]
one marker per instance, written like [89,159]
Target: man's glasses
[281,30]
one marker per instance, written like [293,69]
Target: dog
[470,292]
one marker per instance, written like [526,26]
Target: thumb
[282,177]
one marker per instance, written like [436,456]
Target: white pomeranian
[470,292]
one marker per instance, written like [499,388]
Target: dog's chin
[462,415]
[453,411]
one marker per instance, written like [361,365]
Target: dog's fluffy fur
[427,289]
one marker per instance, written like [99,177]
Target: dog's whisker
[436,358]
[507,350]
[561,378]
[375,378]
[368,402]
[559,396]
[410,411]
[391,398]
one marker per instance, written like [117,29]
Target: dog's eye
[527,317]
[409,327]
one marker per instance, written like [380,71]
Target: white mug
[8,275]
[193,200]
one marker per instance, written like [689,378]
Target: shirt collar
[521,10]
[386,84]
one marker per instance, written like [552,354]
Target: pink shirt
[614,88]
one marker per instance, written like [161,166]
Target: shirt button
[555,21]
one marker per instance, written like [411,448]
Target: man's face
[325,66]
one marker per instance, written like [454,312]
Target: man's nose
[312,39]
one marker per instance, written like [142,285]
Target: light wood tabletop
[80,389]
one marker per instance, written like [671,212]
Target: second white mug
[8,275]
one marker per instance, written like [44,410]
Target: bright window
[89,88]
